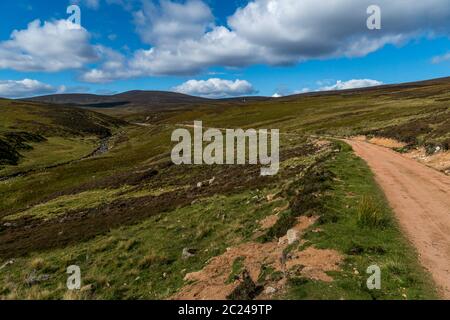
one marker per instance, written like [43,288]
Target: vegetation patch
[367,233]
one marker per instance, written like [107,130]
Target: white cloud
[216,88]
[277,95]
[91,4]
[170,22]
[442,58]
[352,84]
[273,32]
[52,46]
[27,88]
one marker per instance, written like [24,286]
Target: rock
[270,197]
[292,236]
[8,225]
[200,184]
[270,290]
[211,181]
[7,263]
[187,253]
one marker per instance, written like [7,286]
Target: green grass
[373,242]
[371,214]
[55,150]
[142,261]
[85,200]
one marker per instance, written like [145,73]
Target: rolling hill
[26,126]
[140,227]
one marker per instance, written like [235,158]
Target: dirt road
[420,198]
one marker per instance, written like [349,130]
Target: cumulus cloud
[442,58]
[27,88]
[91,4]
[216,88]
[183,39]
[352,84]
[342,85]
[51,46]
[274,32]
[171,22]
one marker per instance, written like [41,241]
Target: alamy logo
[74,278]
[374,20]
[75,15]
[229,148]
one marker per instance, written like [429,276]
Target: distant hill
[143,99]
[384,89]
[24,123]
[158,100]
[149,99]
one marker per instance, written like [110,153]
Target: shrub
[246,290]
[371,214]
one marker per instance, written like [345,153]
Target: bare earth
[420,198]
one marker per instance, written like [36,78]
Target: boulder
[292,236]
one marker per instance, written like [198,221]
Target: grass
[143,260]
[373,242]
[55,150]
[84,200]
[371,214]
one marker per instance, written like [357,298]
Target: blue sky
[218,48]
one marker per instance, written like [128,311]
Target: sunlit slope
[416,113]
[36,134]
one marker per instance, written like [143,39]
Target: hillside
[140,227]
[142,99]
[30,130]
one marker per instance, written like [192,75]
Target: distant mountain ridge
[129,98]
[174,100]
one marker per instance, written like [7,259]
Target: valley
[141,227]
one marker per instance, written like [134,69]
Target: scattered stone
[270,197]
[292,236]
[9,225]
[199,184]
[211,181]
[7,263]
[270,290]
[187,253]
